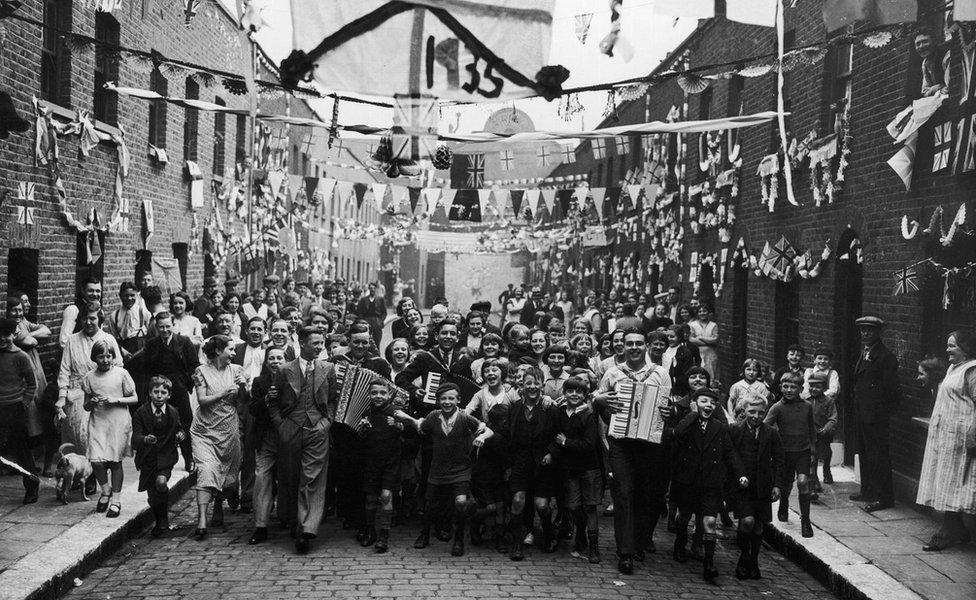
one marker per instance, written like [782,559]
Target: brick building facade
[48,258]
[759,316]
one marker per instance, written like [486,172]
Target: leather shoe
[31,488]
[878,505]
[260,534]
[625,565]
[859,498]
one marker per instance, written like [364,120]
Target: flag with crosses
[906,281]
[415,120]
[24,231]
[942,147]
[476,170]
[542,156]
[783,254]
[599,146]
[507,159]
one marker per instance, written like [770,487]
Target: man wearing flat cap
[876,396]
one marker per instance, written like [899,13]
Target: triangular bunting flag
[379,194]
[275,179]
[549,197]
[583,26]
[432,197]
[484,202]
[517,196]
[414,194]
[326,186]
[580,194]
[360,190]
[598,195]
[634,192]
[650,194]
[447,197]
[344,192]
[398,197]
[503,199]
[532,200]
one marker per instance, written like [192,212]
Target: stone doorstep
[845,572]
[48,571]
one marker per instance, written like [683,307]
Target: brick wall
[212,41]
[872,204]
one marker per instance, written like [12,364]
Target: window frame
[158,109]
[55,64]
[219,139]
[191,123]
[105,104]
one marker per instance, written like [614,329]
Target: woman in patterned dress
[220,387]
[948,479]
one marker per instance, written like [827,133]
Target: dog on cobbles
[73,469]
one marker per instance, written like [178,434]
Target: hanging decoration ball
[315,200]
[442,157]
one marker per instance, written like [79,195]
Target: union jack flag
[906,280]
[943,146]
[507,158]
[783,255]
[476,170]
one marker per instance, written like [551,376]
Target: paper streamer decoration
[780,100]
[583,26]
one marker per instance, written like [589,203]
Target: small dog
[72,469]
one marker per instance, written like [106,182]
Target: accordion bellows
[353,382]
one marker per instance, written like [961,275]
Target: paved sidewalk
[46,545]
[875,556]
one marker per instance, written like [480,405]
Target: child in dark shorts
[761,451]
[532,429]
[156,434]
[825,421]
[453,434]
[578,454]
[380,431]
[793,418]
[703,462]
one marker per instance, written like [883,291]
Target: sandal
[103,501]
[114,509]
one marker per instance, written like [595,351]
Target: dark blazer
[289,351]
[685,358]
[289,385]
[545,426]
[147,360]
[877,392]
[771,457]
[428,361]
[162,454]
[581,452]
[239,354]
[703,460]
[400,328]
[258,405]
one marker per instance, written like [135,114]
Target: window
[106,103]
[734,100]
[55,58]
[240,150]
[181,252]
[787,317]
[191,122]
[836,85]
[219,139]
[22,275]
[705,104]
[157,109]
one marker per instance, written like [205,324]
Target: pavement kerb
[51,569]
[846,573]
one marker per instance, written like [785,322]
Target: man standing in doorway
[372,309]
[876,396]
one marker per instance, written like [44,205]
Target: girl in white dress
[109,391]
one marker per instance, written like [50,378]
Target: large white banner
[415,52]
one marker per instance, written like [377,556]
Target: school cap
[819,377]
[870,321]
[705,392]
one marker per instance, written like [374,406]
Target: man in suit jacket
[372,309]
[876,396]
[250,355]
[302,408]
[444,357]
[173,356]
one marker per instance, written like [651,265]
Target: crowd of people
[511,449]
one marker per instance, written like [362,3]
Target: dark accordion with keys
[467,386]
[353,382]
[637,415]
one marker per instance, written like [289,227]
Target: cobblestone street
[225,567]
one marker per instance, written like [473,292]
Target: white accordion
[637,416]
